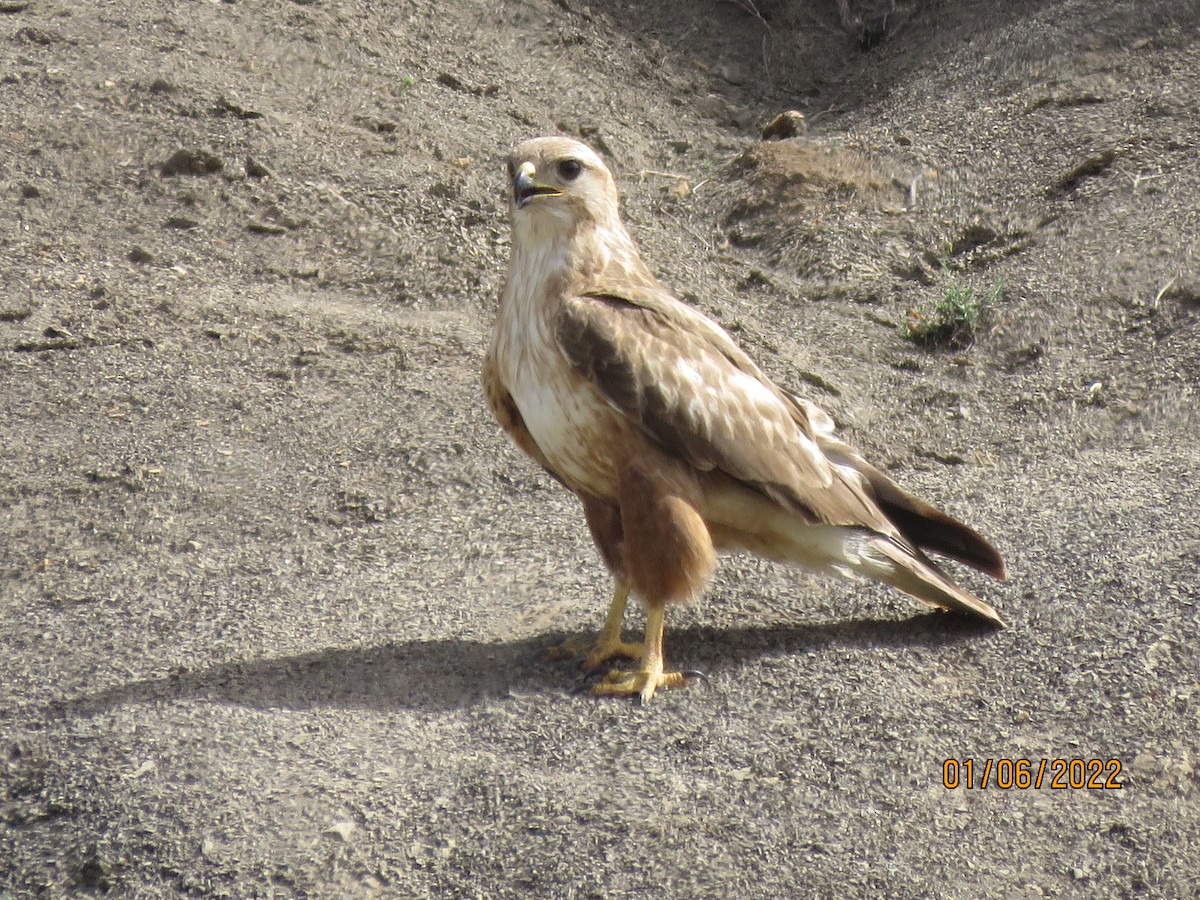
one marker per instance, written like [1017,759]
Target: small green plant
[955,319]
[407,80]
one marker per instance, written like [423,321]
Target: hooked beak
[525,188]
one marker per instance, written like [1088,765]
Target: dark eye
[569,169]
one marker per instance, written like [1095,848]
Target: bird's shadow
[454,673]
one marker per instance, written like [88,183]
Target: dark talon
[582,685]
[694,673]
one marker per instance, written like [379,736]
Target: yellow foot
[596,655]
[609,649]
[642,683]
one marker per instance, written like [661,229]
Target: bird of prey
[674,441]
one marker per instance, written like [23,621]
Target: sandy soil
[276,590]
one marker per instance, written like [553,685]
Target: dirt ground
[276,589]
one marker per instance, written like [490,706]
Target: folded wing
[692,390]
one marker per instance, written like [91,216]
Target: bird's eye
[569,169]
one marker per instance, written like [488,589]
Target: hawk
[675,442]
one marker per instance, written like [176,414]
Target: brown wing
[698,395]
[689,387]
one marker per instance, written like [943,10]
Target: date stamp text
[1022,774]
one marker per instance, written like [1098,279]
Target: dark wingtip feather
[931,529]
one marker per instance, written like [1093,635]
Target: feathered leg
[668,557]
[604,522]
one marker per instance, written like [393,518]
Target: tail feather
[917,575]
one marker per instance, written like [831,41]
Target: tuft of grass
[956,318]
[407,80]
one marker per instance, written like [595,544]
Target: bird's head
[560,183]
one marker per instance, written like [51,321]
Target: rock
[1145,764]
[12,310]
[445,190]
[191,162]
[141,256]
[379,126]
[343,831]
[1094,165]
[446,79]
[732,75]
[266,228]
[788,124]
[973,235]
[145,768]
[226,107]
[35,36]
[255,169]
